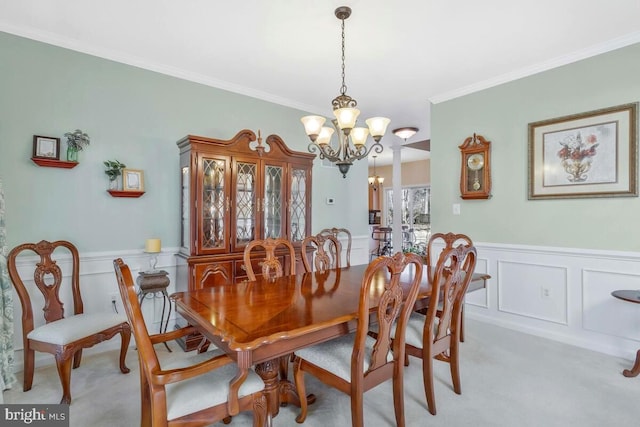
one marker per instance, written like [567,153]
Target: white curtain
[7,378]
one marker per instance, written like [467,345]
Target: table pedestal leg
[636,367]
[279,392]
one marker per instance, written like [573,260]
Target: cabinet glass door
[245,202]
[298,207]
[214,204]
[272,202]
[185,214]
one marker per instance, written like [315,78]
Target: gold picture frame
[132,180]
[591,154]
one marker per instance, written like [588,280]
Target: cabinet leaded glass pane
[298,208]
[273,202]
[245,202]
[213,211]
[185,243]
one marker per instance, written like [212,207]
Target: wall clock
[475,172]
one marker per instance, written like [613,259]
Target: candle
[152,245]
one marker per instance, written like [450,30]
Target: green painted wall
[501,114]
[135,116]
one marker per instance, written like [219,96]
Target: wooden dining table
[259,322]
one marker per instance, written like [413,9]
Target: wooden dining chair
[448,241]
[271,266]
[427,338]
[211,390]
[325,251]
[63,336]
[337,232]
[358,362]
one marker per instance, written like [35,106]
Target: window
[416,220]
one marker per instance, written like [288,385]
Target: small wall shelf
[119,193]
[53,163]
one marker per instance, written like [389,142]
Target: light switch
[456,208]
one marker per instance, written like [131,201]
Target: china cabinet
[235,191]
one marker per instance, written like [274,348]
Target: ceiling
[400,55]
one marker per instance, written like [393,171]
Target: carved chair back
[271,266]
[448,241]
[326,255]
[336,232]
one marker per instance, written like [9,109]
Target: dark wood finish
[35,147]
[120,193]
[270,266]
[258,322]
[391,312]
[153,378]
[451,278]
[336,232]
[53,163]
[48,280]
[631,296]
[194,150]
[475,170]
[325,251]
[449,240]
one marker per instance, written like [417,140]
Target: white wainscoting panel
[533,290]
[563,294]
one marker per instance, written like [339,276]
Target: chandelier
[352,140]
[375,181]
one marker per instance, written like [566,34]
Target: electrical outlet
[545,292]
[116,303]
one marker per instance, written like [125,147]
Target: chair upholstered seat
[211,389]
[335,355]
[76,327]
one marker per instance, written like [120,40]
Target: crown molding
[540,67]
[127,59]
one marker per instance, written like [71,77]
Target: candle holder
[153,247]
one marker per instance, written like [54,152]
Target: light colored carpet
[508,379]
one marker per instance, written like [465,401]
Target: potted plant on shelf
[76,141]
[114,170]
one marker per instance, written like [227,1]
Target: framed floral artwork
[592,154]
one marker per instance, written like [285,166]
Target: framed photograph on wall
[592,154]
[46,147]
[132,180]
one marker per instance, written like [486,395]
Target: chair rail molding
[563,294]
